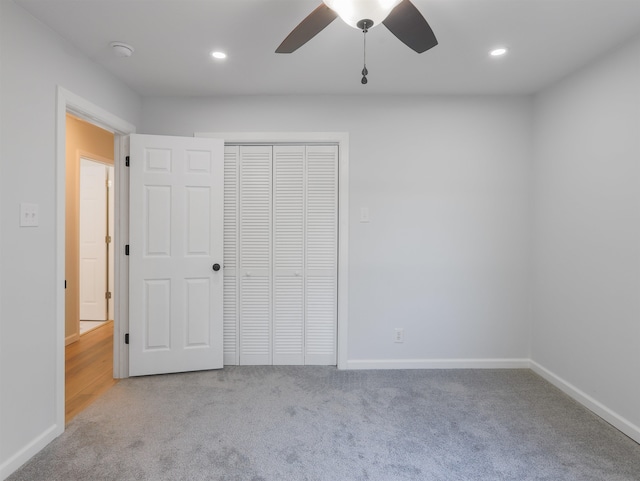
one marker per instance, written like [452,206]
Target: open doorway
[89,155]
[88,263]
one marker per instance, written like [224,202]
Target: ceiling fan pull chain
[365,24]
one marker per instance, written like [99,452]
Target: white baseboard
[590,403]
[438,364]
[30,450]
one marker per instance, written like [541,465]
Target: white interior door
[288,254]
[321,255]
[93,247]
[254,269]
[281,264]
[176,251]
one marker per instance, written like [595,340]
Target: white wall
[446,253]
[586,326]
[34,62]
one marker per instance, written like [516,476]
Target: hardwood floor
[88,369]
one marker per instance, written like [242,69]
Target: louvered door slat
[288,336]
[288,321]
[255,325]
[231,320]
[255,254]
[321,254]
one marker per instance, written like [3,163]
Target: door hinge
[107,295]
[107,239]
[126,338]
[65,283]
[126,250]
[126,161]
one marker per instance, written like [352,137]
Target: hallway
[88,369]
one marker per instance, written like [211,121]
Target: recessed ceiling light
[498,52]
[219,55]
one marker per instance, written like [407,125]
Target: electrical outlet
[398,334]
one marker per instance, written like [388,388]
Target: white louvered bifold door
[280,264]
[231,189]
[254,255]
[321,259]
[288,247]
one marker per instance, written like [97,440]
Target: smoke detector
[121,49]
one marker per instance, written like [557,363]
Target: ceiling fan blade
[408,24]
[307,29]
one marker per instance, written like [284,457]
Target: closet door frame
[341,139]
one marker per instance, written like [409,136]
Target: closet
[280,254]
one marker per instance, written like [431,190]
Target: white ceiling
[547,40]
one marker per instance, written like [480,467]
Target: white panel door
[93,247]
[255,255]
[176,241]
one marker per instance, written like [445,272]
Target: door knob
[216,267]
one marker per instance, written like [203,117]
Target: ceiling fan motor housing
[355,11]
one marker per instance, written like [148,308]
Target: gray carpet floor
[318,423]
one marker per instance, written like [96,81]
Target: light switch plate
[398,333]
[28,215]
[364,214]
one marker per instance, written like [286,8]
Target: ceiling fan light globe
[352,11]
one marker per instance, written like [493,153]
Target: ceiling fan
[401,17]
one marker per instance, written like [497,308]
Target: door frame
[68,102]
[342,140]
